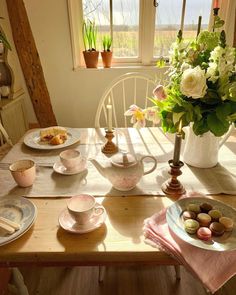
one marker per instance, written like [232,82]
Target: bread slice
[48,133]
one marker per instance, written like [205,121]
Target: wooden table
[119,241]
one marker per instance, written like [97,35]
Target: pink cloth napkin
[213,268]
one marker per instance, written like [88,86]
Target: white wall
[74,94]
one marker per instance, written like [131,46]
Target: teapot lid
[123,160]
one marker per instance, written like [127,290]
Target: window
[141,33]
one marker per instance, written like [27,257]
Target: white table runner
[220,179]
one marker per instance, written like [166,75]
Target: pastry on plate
[227,222]
[204,219]
[54,135]
[217,228]
[191,226]
[204,233]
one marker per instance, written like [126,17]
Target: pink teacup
[71,159]
[24,172]
[84,207]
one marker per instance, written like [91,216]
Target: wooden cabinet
[13,117]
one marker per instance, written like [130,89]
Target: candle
[199,24]
[216,4]
[178,140]
[109,115]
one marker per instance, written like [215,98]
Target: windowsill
[120,67]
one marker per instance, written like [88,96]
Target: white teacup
[83,207]
[24,172]
[72,159]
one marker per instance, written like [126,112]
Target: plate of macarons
[204,223]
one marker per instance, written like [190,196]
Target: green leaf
[4,40]
[161,62]
[222,111]
[211,97]
[216,126]
[200,127]
[218,24]
[232,92]
[197,113]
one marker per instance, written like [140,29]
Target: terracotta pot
[91,58]
[106,58]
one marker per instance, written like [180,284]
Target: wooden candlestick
[109,147]
[173,186]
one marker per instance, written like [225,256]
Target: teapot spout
[99,167]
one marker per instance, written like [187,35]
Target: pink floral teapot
[124,171]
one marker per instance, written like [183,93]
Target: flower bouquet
[201,88]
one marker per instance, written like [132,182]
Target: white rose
[193,83]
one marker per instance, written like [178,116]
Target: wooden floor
[143,280]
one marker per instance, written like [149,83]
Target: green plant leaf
[200,127]
[89,31]
[222,111]
[216,126]
[218,22]
[4,40]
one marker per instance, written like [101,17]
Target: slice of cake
[47,134]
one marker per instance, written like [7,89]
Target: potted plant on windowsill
[90,39]
[106,53]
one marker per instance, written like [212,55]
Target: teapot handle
[154,166]
[227,135]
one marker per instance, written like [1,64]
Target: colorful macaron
[205,207]
[189,215]
[204,219]
[204,233]
[217,229]
[191,226]
[227,223]
[215,214]
[194,208]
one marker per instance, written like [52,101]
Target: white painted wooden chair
[127,89]
[5,142]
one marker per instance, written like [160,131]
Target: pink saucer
[69,224]
[59,168]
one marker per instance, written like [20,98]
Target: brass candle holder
[109,148]
[173,186]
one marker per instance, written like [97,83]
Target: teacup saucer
[59,168]
[69,224]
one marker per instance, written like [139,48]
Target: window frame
[146,34]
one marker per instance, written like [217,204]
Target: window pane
[98,11]
[125,28]
[193,10]
[125,24]
[168,19]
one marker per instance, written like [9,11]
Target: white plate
[69,224]
[20,210]
[61,169]
[174,219]
[32,140]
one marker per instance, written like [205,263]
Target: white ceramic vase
[202,151]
